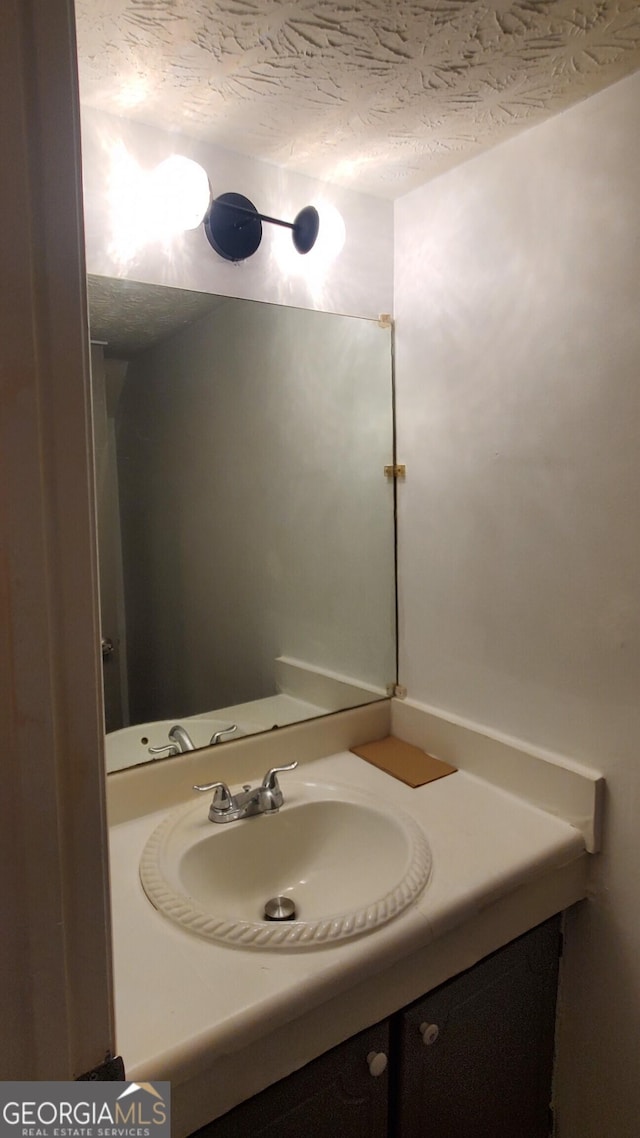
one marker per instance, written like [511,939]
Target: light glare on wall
[329,245]
[333,233]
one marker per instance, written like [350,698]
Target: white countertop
[187,1008]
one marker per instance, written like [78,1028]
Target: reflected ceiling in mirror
[246,529]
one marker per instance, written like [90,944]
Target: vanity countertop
[221,1023]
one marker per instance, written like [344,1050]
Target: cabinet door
[476,1055]
[334,1095]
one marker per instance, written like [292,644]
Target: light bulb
[178,196]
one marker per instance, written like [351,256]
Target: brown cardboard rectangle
[404,761]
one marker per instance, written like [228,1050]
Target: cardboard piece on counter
[404,761]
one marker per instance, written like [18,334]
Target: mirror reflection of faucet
[179,742]
[251,800]
[218,735]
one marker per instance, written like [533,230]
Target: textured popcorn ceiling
[380,95]
[127,316]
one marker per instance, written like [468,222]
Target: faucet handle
[221,796]
[270,780]
[217,735]
[168,751]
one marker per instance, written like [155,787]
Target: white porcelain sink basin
[347,864]
[130,745]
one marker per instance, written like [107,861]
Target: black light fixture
[234,227]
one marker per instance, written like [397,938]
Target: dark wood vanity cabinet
[335,1095]
[473,1059]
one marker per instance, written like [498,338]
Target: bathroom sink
[347,864]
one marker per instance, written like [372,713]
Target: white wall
[358,282]
[518,379]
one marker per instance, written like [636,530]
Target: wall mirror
[245,524]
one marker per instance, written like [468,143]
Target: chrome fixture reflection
[219,735]
[234,227]
[179,742]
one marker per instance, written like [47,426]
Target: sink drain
[280,909]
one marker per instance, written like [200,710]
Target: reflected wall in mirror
[246,529]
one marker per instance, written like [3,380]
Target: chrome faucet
[180,741]
[264,799]
[181,736]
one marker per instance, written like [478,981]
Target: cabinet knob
[377,1061]
[429,1033]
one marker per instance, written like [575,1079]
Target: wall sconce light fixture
[176,195]
[234,227]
